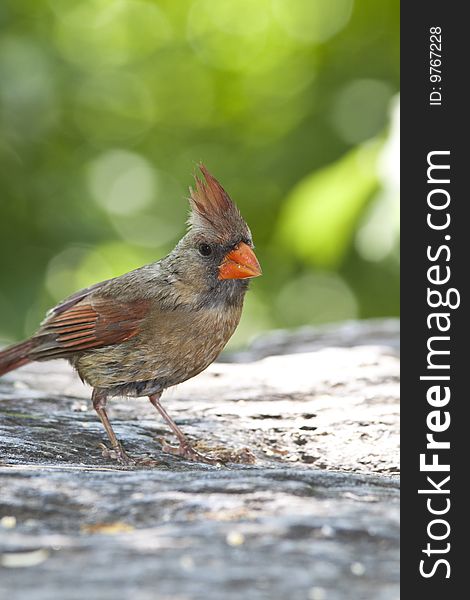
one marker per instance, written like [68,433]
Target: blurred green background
[107,105]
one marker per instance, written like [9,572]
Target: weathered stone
[315,517]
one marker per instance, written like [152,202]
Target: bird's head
[218,245]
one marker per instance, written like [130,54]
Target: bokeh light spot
[240,17]
[112,106]
[230,34]
[378,233]
[360,109]
[61,272]
[375,238]
[98,33]
[28,107]
[312,21]
[316,298]
[321,212]
[122,182]
[109,260]
[182,91]
[146,230]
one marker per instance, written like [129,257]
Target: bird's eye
[205,249]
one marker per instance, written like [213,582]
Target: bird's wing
[93,321]
[75,298]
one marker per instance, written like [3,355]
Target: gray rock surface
[314,517]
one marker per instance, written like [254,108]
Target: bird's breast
[173,346]
[192,339]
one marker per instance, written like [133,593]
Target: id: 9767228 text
[435,62]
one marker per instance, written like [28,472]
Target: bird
[159,325]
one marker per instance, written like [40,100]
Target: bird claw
[188,452]
[118,453]
[124,459]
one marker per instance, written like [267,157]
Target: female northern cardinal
[157,326]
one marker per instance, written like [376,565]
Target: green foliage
[321,213]
[107,105]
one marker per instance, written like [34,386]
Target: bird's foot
[118,453]
[186,451]
[124,459]
[218,456]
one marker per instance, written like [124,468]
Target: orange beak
[240,263]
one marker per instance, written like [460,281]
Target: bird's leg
[184,449]
[99,404]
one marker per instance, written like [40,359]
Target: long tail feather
[16,356]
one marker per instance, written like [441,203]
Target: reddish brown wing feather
[77,297]
[95,323]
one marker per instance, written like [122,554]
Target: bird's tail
[16,356]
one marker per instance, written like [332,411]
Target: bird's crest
[212,209]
